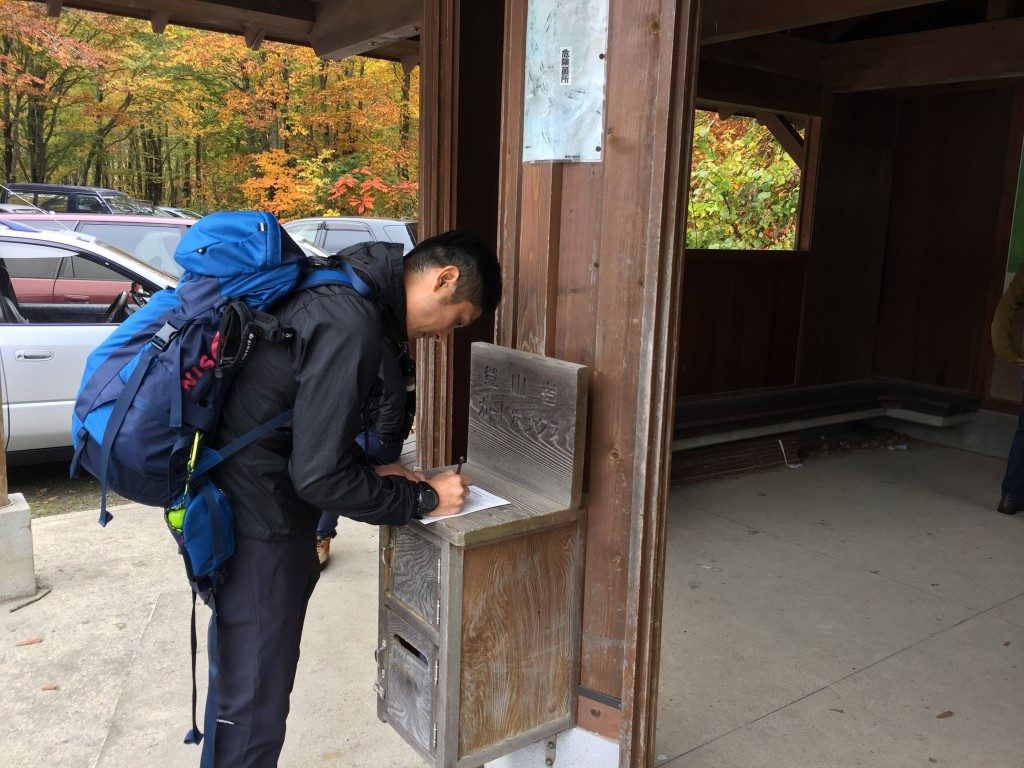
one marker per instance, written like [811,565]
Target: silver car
[70,292]
[335,233]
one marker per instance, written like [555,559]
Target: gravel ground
[49,491]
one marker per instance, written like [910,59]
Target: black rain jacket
[330,375]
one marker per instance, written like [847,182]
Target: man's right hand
[451,492]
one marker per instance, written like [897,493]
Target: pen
[458,469]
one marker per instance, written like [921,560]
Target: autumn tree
[198,119]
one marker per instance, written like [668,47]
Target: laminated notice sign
[565,79]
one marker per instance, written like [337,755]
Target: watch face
[428,500]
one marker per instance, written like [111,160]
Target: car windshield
[124,204]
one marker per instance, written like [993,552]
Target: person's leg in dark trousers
[261,607]
[1013,480]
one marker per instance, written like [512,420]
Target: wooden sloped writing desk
[479,622]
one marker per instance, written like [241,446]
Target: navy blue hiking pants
[1013,480]
[257,626]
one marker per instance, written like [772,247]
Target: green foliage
[744,188]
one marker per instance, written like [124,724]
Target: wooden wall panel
[741,320]
[851,220]
[1002,382]
[947,185]
[518,627]
[578,265]
[538,257]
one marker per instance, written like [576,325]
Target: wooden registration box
[479,625]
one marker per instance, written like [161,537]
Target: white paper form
[477,499]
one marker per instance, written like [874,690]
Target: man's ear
[447,276]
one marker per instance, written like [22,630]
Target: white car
[74,290]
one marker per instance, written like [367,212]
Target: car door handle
[77,297]
[33,354]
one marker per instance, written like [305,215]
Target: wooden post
[459,148]
[595,251]
[438,104]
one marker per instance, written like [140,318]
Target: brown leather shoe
[323,550]
[1009,506]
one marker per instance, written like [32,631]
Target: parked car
[179,213]
[66,198]
[48,329]
[152,239]
[333,233]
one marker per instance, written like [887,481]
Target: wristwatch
[426,499]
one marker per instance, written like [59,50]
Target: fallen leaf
[51,499]
[1006,643]
[51,687]
[29,641]
[840,711]
[944,715]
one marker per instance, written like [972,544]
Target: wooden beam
[253,36]
[347,27]
[808,190]
[159,21]
[780,54]
[987,51]
[999,9]
[785,134]
[733,19]
[732,88]
[510,170]
[288,23]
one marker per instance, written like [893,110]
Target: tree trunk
[35,129]
[405,127]
[198,190]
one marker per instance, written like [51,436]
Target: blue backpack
[155,386]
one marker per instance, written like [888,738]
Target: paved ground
[114,644]
[827,616]
[865,611]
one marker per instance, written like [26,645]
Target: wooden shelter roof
[334,29]
[781,55]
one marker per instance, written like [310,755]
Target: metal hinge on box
[439,570]
[437,618]
[433,741]
[549,750]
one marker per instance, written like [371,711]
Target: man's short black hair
[479,272]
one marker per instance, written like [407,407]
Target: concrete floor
[115,642]
[832,615]
[816,617]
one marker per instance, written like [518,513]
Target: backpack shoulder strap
[343,275]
